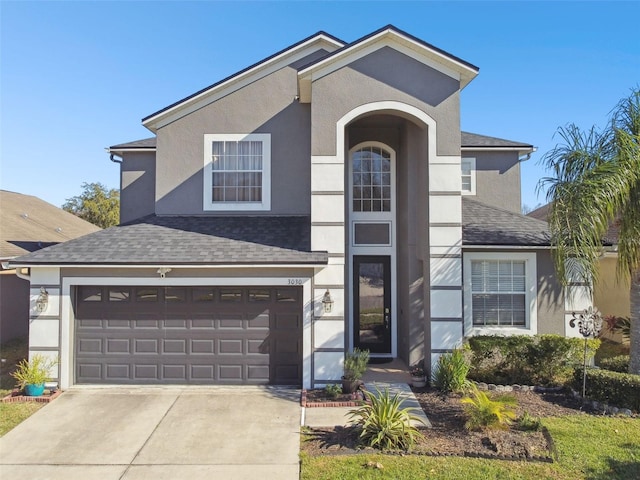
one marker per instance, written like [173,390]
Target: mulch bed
[319,398]
[17,396]
[449,437]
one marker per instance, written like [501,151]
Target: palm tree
[595,181]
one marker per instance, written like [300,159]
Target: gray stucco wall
[497,179]
[14,306]
[265,106]
[385,75]
[550,296]
[137,185]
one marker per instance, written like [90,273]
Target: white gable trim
[239,81]
[387,38]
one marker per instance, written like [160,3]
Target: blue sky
[76,77]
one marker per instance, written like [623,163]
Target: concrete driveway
[160,433]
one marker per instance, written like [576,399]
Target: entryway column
[328,234]
[445,254]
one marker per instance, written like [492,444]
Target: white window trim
[208,203]
[531,294]
[472,162]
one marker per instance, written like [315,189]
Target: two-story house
[320,200]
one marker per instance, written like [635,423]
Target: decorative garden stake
[589,325]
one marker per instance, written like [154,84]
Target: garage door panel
[203,323]
[209,336]
[90,345]
[172,346]
[117,346]
[117,371]
[202,372]
[202,346]
[145,372]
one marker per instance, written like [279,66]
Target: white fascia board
[508,247]
[183,266]
[387,38]
[239,81]
[498,149]
[119,151]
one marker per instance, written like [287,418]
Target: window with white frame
[500,291]
[237,172]
[468,167]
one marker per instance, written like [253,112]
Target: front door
[372,303]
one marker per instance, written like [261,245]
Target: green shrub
[450,374]
[486,412]
[524,359]
[355,364]
[613,388]
[34,371]
[529,423]
[619,363]
[384,424]
[332,390]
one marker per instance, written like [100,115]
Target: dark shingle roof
[612,236]
[468,140]
[486,225]
[191,240]
[475,140]
[144,143]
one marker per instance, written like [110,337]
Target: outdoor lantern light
[327,302]
[43,300]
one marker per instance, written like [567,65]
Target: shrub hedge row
[619,363]
[618,389]
[528,360]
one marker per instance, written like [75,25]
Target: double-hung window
[468,177]
[500,292]
[237,172]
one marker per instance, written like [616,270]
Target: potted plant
[31,374]
[418,376]
[355,364]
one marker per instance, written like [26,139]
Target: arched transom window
[371,180]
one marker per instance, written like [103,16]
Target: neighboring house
[320,200]
[27,224]
[609,296]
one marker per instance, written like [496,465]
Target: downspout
[114,160]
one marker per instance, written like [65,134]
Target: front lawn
[11,414]
[590,447]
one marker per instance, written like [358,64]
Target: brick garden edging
[16,396]
[351,403]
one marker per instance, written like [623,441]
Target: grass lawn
[11,414]
[589,448]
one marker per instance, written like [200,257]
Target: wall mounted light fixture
[327,302]
[43,300]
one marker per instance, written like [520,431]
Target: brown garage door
[188,335]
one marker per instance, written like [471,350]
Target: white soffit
[387,38]
[236,82]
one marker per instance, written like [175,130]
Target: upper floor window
[371,167]
[237,172]
[468,176]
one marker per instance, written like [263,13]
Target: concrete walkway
[338,416]
[161,433]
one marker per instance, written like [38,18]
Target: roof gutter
[23,276]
